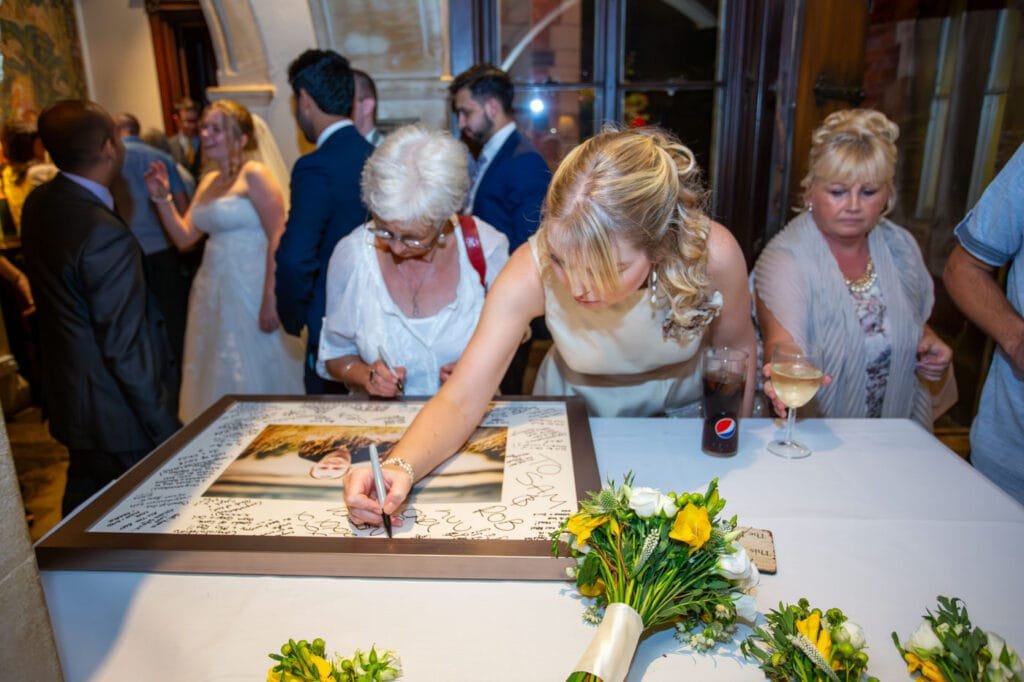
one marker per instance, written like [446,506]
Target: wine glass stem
[790,420]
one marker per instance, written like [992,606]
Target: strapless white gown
[225,350]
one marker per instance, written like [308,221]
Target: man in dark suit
[105,354]
[510,177]
[325,200]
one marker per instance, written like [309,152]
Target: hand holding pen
[398,372]
[378,481]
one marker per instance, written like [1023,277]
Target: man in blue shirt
[167,275]
[991,236]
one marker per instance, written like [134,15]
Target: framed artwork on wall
[254,485]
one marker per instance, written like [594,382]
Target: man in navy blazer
[325,201]
[510,178]
[107,363]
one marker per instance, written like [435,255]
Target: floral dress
[870,308]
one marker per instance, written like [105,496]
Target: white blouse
[362,317]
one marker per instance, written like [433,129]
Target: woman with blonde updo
[634,280]
[233,343]
[842,278]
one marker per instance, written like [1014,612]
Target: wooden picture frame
[72,546]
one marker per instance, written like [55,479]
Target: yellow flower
[929,670]
[582,525]
[809,626]
[692,526]
[614,526]
[824,644]
[323,668]
[594,590]
[821,638]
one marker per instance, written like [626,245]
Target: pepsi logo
[725,427]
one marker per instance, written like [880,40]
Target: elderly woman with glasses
[404,291]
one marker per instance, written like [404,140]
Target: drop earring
[654,286]
[810,207]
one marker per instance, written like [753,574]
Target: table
[878,521]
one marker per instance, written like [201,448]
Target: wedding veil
[268,153]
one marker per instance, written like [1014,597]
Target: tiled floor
[42,465]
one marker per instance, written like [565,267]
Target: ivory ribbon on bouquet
[611,651]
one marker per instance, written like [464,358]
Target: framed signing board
[254,486]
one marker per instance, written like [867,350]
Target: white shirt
[362,317]
[330,130]
[487,154]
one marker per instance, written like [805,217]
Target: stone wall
[27,648]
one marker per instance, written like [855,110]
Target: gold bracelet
[167,198]
[401,464]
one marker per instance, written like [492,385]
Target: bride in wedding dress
[233,339]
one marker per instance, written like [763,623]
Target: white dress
[362,318]
[225,350]
[616,358]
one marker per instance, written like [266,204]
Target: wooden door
[822,72]
[185,62]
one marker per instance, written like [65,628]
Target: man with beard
[325,200]
[106,359]
[510,178]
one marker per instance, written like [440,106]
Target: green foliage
[964,654]
[297,659]
[634,560]
[799,644]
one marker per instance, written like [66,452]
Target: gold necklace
[865,281]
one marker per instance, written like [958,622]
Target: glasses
[409,242]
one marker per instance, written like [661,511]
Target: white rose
[738,568]
[647,502]
[852,633]
[752,580]
[924,641]
[746,607]
[996,671]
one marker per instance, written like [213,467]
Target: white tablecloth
[878,521]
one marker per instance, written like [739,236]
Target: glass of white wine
[796,376]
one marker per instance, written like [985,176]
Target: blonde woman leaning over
[846,280]
[626,263]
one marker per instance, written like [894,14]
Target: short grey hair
[416,174]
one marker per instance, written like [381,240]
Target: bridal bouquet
[650,560]
[801,644]
[303,661]
[946,647]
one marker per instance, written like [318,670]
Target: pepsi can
[724,378]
